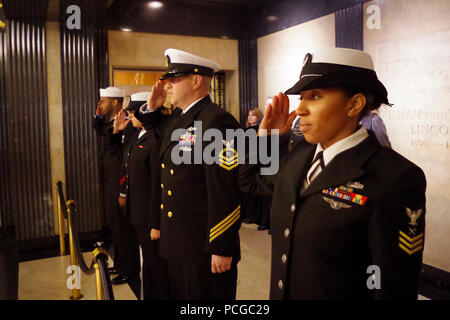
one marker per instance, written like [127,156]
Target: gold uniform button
[162,186]
[169,193]
[171,171]
[162,206]
[169,214]
[280,284]
[284,258]
[162,165]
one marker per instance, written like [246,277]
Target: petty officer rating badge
[411,243]
[228,157]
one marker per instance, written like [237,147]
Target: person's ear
[356,105]
[114,102]
[197,81]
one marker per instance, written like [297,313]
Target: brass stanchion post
[62,229]
[76,293]
[98,281]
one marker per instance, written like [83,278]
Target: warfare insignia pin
[355,184]
[228,157]
[336,205]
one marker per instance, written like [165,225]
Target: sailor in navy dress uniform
[348,215]
[200,203]
[140,186]
[111,155]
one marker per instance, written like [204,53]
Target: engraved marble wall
[411,52]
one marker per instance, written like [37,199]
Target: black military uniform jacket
[200,203]
[111,152]
[323,245]
[140,182]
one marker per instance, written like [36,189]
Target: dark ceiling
[242,4]
[233,19]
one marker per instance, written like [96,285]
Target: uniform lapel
[345,167]
[296,167]
[183,121]
[143,137]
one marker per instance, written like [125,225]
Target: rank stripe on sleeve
[404,235]
[410,252]
[225,224]
[408,244]
[228,167]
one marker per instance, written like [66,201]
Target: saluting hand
[158,96]
[277,116]
[121,122]
[220,264]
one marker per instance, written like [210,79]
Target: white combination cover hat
[180,63]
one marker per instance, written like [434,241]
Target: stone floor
[46,279]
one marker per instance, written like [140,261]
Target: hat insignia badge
[308,57]
[167,61]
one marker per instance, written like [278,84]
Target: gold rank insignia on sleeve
[411,243]
[226,223]
[408,244]
[228,157]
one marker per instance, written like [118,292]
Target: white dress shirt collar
[143,131]
[191,105]
[342,145]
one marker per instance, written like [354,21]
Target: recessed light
[155,4]
[272,18]
[125,29]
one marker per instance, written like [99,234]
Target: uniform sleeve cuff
[144,109]
[123,195]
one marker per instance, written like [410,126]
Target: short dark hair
[372,101]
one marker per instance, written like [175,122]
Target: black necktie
[319,156]
[177,112]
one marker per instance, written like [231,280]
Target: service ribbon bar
[346,193]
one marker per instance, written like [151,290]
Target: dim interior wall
[411,56]
[146,50]
[280,55]
[54,95]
